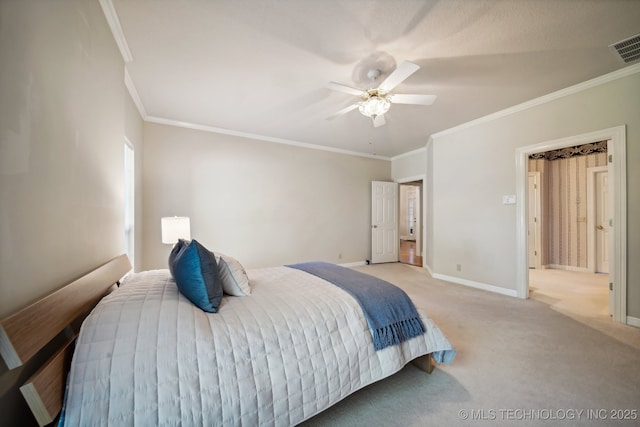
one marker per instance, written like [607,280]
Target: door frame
[538,214]
[591,212]
[617,161]
[423,211]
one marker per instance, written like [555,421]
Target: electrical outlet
[458,267]
[340,255]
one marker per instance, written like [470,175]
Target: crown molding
[615,75]
[116,29]
[134,94]
[254,136]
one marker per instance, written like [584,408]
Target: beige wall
[63,109]
[564,214]
[473,228]
[409,165]
[428,208]
[266,204]
[63,124]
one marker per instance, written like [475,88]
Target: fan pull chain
[371,145]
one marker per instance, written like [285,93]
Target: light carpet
[519,363]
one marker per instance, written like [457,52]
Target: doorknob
[600,227]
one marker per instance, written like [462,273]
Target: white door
[534,220]
[602,222]
[384,222]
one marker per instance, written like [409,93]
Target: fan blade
[379,121]
[400,98]
[343,111]
[344,88]
[403,71]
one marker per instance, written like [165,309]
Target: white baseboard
[567,268]
[426,267]
[477,285]
[633,321]
[353,264]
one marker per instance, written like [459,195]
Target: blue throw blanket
[390,313]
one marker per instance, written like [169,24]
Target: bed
[146,355]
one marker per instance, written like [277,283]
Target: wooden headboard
[26,332]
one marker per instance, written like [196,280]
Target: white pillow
[234,278]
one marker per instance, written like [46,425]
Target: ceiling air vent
[627,50]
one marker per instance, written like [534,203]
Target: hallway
[408,253]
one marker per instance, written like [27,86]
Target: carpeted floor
[519,363]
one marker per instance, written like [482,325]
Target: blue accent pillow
[195,271]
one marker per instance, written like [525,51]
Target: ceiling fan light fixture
[374,106]
[375,101]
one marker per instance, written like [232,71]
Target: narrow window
[129,200]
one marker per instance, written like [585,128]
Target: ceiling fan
[375,102]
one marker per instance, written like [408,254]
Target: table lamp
[175,228]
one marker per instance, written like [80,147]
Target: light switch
[509,199]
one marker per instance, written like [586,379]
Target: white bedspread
[294,347]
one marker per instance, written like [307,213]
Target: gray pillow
[234,277]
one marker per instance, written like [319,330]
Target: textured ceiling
[260,67]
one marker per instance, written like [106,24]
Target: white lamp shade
[374,106]
[175,228]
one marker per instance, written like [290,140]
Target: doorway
[616,166]
[571,184]
[410,223]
